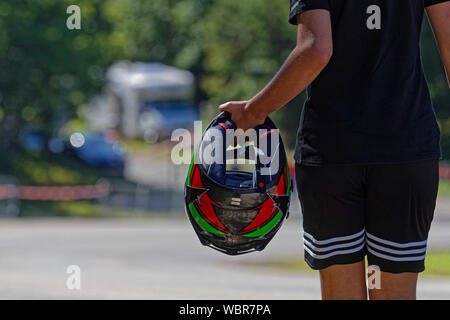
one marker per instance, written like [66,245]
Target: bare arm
[439,16]
[304,64]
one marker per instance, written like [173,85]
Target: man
[368,144]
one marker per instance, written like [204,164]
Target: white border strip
[337,239]
[396,244]
[295,6]
[400,252]
[335,253]
[329,248]
[388,257]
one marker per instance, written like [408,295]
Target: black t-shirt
[371,103]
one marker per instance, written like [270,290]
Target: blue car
[162,118]
[98,150]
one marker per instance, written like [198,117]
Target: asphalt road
[159,259]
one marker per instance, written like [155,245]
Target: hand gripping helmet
[238,211]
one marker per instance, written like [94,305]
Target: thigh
[401,199]
[344,282]
[333,203]
[395,286]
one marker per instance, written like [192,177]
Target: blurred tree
[47,70]
[167,31]
[437,83]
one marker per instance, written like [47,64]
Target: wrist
[254,113]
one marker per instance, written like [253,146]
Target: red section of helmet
[206,210]
[266,212]
[268,209]
[266,133]
[282,185]
[223,125]
[196,180]
[205,205]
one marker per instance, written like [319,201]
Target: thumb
[224,107]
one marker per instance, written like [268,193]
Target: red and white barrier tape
[102,189]
[99,190]
[444,172]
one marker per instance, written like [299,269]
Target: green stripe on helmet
[288,177]
[202,222]
[188,182]
[269,226]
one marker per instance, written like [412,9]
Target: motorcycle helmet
[233,209]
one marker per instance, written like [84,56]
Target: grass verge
[436,264]
[82,209]
[444,188]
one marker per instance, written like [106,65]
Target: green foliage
[39,168]
[233,47]
[47,70]
[438,85]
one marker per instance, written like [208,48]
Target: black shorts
[382,211]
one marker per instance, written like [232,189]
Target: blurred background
[85,123]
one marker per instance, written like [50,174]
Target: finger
[224,107]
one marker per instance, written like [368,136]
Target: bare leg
[344,282]
[396,286]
